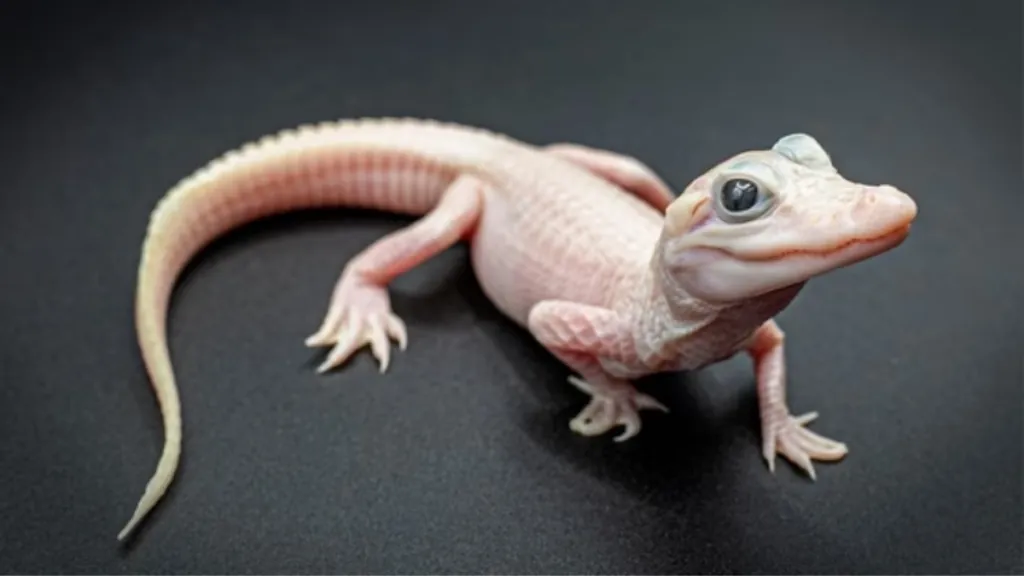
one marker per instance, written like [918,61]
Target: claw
[631,421]
[379,345]
[768,453]
[645,401]
[396,329]
[582,385]
[805,419]
[359,315]
[789,448]
[789,437]
[611,405]
[820,447]
[344,348]
[327,334]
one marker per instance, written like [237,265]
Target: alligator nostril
[897,203]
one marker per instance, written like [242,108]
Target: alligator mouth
[873,244]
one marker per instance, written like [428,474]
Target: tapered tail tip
[140,513]
[155,490]
[127,530]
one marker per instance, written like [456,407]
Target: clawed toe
[358,330]
[359,315]
[611,406]
[802,446]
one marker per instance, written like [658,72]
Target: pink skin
[625,171]
[582,337]
[360,310]
[781,432]
[568,330]
[586,249]
[818,222]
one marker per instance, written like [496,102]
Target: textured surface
[466,464]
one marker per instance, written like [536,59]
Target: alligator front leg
[781,432]
[580,336]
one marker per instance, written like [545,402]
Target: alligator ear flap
[804,150]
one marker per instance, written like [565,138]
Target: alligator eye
[739,195]
[746,191]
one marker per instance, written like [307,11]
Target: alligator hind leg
[360,311]
[625,171]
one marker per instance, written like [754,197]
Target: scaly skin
[586,249]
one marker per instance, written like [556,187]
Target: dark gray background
[461,459]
